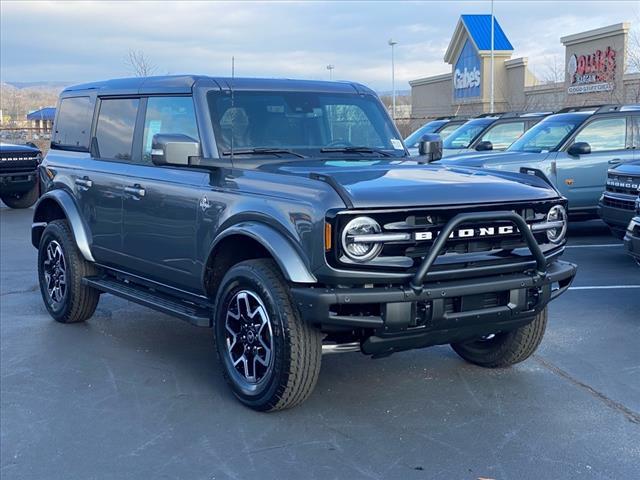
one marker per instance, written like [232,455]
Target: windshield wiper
[355,149]
[263,150]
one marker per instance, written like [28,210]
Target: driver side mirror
[579,148]
[484,146]
[173,149]
[431,147]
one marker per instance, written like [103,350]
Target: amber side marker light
[327,236]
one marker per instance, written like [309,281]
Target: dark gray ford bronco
[288,216]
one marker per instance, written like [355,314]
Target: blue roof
[47,113]
[479,28]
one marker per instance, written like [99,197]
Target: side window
[604,134]
[504,134]
[114,131]
[168,115]
[73,124]
[636,132]
[448,129]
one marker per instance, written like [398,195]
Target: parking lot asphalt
[137,394]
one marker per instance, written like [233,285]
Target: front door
[162,203]
[581,178]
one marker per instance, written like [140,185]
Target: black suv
[18,174]
[618,202]
[288,216]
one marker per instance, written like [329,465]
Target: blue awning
[479,28]
[48,113]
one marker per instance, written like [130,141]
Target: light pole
[492,98]
[330,68]
[393,43]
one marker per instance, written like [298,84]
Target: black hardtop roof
[185,84]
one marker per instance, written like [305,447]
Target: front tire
[22,200]
[506,348]
[269,355]
[61,268]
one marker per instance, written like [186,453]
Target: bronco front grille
[624,184]
[459,253]
[18,161]
[620,203]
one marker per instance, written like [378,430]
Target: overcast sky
[77,42]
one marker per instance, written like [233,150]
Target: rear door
[581,178]
[162,203]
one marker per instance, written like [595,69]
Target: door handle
[84,183]
[136,190]
[614,161]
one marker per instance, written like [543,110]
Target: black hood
[371,184]
[11,148]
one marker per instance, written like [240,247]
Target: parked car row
[581,150]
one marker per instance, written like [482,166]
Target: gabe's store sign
[594,72]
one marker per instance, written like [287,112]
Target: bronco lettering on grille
[479,232]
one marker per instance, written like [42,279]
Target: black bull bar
[541,263]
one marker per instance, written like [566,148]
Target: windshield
[412,140]
[546,135]
[463,136]
[294,124]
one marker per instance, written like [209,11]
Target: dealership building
[594,73]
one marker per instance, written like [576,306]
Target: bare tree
[139,64]
[554,71]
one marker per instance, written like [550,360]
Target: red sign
[597,68]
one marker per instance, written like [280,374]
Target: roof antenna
[233,113]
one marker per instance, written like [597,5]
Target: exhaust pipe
[328,348]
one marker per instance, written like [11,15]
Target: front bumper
[616,218]
[17,182]
[442,312]
[632,238]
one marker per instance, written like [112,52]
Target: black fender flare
[288,258]
[68,206]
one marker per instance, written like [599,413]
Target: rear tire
[61,268]
[22,200]
[270,356]
[505,348]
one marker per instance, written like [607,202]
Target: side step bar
[199,315]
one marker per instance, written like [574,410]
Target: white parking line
[604,245]
[604,287]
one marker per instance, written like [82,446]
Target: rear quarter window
[73,124]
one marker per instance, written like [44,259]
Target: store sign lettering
[466,73]
[594,72]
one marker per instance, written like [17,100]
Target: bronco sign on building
[594,72]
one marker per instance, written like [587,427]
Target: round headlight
[355,249]
[557,213]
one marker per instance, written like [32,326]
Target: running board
[199,315]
